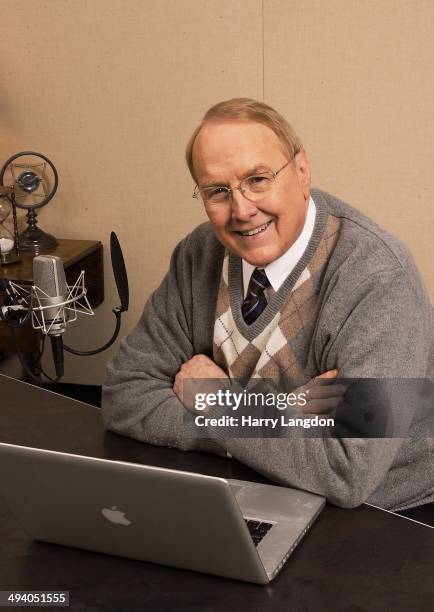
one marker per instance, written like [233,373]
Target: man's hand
[322,396]
[199,366]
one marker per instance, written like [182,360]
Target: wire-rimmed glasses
[254,188]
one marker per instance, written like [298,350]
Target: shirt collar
[282,267]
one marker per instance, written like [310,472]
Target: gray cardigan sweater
[375,320]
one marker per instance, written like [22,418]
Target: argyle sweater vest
[280,349]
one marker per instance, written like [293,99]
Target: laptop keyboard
[258,529]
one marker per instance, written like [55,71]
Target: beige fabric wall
[111,90]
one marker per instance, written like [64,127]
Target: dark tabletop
[360,559]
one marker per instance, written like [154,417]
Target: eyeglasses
[254,188]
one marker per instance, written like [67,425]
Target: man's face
[226,152]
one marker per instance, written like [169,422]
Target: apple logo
[115,516]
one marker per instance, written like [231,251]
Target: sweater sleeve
[137,399]
[383,331]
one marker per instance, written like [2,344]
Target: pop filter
[119,272]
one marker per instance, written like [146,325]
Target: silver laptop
[230,528]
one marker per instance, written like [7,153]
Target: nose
[242,208]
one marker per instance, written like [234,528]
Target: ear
[302,169]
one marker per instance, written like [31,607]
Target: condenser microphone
[52,290]
[52,304]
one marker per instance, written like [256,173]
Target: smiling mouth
[256,230]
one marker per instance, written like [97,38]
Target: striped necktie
[255,300]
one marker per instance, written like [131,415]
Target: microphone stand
[118,313]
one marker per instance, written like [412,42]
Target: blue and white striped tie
[255,300]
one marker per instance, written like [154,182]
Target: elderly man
[283,282]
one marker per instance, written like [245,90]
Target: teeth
[257,230]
